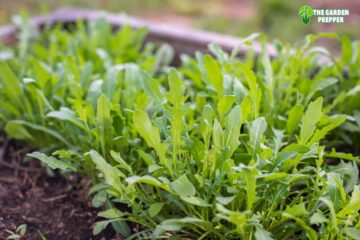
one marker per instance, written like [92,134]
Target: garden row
[218,148]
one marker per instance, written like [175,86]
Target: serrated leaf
[321,133]
[52,162]
[310,119]
[150,133]
[111,174]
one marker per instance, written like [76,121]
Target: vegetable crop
[220,147]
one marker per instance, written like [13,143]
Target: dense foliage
[219,148]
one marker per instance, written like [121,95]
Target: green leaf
[330,205]
[249,175]
[111,174]
[111,213]
[318,218]
[321,133]
[150,133]
[257,130]
[225,200]
[239,219]
[155,208]
[352,233]
[52,162]
[214,74]
[67,114]
[273,176]
[43,129]
[99,199]
[254,91]
[336,190]
[121,227]
[176,93]
[16,130]
[148,180]
[103,122]
[297,210]
[21,229]
[217,136]
[357,117]
[10,83]
[151,87]
[179,223]
[101,225]
[294,118]
[310,119]
[349,172]
[206,122]
[262,234]
[345,156]
[311,233]
[353,206]
[196,201]
[175,96]
[321,85]
[225,104]
[183,187]
[117,157]
[232,129]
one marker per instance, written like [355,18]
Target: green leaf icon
[305,12]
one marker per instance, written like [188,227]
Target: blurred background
[278,18]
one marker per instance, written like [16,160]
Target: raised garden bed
[183,40]
[201,151]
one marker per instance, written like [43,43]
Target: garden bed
[203,150]
[55,207]
[183,40]
[28,194]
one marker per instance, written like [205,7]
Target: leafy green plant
[68,97]
[204,178]
[19,232]
[220,148]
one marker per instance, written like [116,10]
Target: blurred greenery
[278,18]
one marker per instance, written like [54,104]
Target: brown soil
[55,206]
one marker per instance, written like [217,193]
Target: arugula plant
[65,96]
[289,82]
[221,148]
[219,176]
